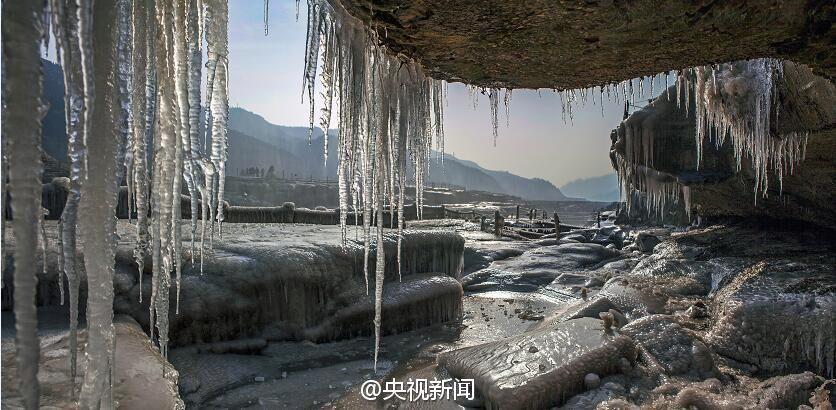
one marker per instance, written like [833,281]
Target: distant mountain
[295,156]
[603,188]
[294,140]
[472,176]
[256,143]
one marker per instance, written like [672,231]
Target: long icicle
[97,220]
[194,177]
[71,25]
[217,50]
[22,86]
[141,101]
[182,168]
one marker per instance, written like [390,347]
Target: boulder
[646,242]
[508,373]
[675,349]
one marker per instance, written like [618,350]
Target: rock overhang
[571,44]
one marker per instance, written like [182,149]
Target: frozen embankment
[285,282]
[296,282]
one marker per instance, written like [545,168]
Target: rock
[593,283]
[719,185]
[779,315]
[675,349]
[589,400]
[785,392]
[591,381]
[571,279]
[697,312]
[496,279]
[646,242]
[727,33]
[575,237]
[538,267]
[619,319]
[609,235]
[506,374]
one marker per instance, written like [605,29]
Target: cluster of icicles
[389,113]
[734,102]
[133,110]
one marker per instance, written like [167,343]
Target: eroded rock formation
[656,149]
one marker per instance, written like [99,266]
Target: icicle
[266,17]
[380,264]
[507,102]
[144,108]
[327,80]
[60,274]
[735,101]
[493,96]
[22,113]
[43,242]
[193,170]
[165,145]
[182,166]
[217,51]
[109,122]
[388,109]
[73,29]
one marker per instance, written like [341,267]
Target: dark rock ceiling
[577,44]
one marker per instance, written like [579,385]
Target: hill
[603,188]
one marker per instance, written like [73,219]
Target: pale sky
[266,78]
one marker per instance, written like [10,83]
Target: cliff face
[578,44]
[715,186]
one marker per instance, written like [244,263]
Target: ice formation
[123,114]
[737,102]
[21,131]
[388,110]
[72,26]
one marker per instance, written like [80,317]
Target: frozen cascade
[737,101]
[71,22]
[734,101]
[22,131]
[385,105]
[109,125]
[129,57]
